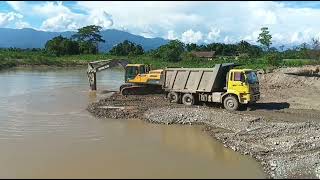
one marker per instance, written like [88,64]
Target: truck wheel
[231,103]
[173,97]
[188,99]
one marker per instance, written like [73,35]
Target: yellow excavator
[139,78]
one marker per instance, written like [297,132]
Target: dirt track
[282,131]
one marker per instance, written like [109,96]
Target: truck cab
[243,83]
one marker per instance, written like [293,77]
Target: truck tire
[188,99]
[173,97]
[231,103]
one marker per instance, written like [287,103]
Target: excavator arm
[96,66]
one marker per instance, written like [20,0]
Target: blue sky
[190,21]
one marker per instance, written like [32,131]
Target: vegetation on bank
[83,47]
[10,59]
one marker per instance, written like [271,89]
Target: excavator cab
[133,70]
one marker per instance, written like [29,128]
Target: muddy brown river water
[46,132]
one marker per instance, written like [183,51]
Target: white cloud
[61,22]
[7,18]
[252,37]
[191,37]
[123,28]
[171,35]
[148,32]
[22,24]
[213,35]
[101,18]
[50,9]
[46,9]
[267,17]
[295,37]
[73,21]
[229,40]
[59,17]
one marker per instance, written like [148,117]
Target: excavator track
[135,89]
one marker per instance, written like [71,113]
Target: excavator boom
[96,66]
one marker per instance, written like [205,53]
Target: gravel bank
[282,131]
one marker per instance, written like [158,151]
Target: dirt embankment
[299,87]
[282,131]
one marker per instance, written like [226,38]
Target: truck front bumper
[248,98]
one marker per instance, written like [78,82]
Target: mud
[282,131]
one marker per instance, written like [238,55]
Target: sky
[289,22]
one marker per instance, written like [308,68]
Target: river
[46,132]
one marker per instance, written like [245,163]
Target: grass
[10,59]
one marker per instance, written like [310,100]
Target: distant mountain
[30,38]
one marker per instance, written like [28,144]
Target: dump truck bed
[192,80]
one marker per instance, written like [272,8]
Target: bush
[187,56]
[243,58]
[274,59]
[293,63]
[7,63]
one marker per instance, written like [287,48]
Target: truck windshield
[252,77]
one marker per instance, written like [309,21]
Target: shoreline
[21,66]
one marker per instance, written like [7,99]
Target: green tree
[243,47]
[304,50]
[171,51]
[87,48]
[62,46]
[265,38]
[314,52]
[138,50]
[126,48]
[192,47]
[89,37]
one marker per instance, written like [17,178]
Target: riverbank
[9,59]
[282,131]
[8,64]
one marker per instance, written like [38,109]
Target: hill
[31,38]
